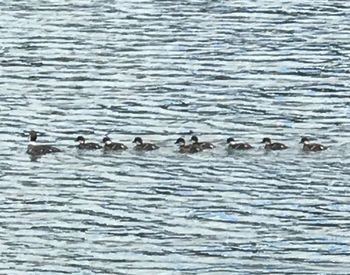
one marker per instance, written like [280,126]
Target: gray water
[161,70]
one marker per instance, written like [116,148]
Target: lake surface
[161,70]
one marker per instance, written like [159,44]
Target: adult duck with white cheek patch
[39,149]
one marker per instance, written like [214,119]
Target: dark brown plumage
[187,148]
[113,146]
[203,145]
[86,145]
[34,149]
[312,147]
[273,146]
[141,146]
[237,146]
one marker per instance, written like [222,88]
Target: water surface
[160,70]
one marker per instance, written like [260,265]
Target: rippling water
[164,69]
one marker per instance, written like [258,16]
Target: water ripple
[161,70]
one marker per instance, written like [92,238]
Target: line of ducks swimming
[194,147]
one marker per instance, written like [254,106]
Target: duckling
[112,146]
[189,148]
[273,146]
[86,145]
[203,145]
[141,146]
[312,147]
[35,149]
[237,146]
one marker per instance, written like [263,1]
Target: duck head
[180,141]
[138,141]
[33,136]
[266,140]
[106,140]
[230,140]
[80,139]
[194,139]
[304,140]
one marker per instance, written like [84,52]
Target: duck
[141,146]
[86,145]
[203,145]
[312,147]
[237,146]
[112,146]
[273,146]
[187,148]
[42,149]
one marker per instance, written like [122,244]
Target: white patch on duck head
[266,141]
[181,143]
